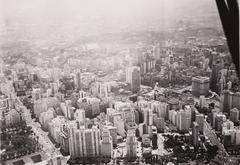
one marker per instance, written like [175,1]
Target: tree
[237,123]
[211,105]
[155,141]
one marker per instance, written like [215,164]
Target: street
[48,146]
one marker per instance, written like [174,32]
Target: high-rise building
[79,115]
[173,103]
[200,86]
[146,142]
[100,89]
[157,51]
[54,88]
[229,100]
[155,106]
[64,137]
[95,105]
[229,85]
[87,107]
[150,130]
[131,144]
[221,85]
[173,116]
[233,134]
[67,109]
[142,129]
[133,77]
[66,70]
[113,133]
[147,65]
[214,112]
[144,104]
[54,128]
[111,113]
[55,74]
[83,142]
[36,94]
[95,88]
[202,101]
[92,137]
[106,143]
[128,115]
[148,116]
[183,120]
[219,120]
[160,108]
[160,124]
[214,78]
[237,142]
[195,134]
[19,86]
[82,94]
[49,92]
[138,55]
[119,105]
[155,116]
[227,125]
[200,120]
[72,140]
[119,123]
[148,120]
[189,110]
[39,106]
[77,80]
[234,115]
[46,117]
[136,114]
[226,101]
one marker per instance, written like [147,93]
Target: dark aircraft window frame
[229,15]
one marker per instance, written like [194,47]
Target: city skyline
[116,82]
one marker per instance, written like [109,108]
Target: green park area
[18,141]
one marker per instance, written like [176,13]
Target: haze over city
[78,17]
[116,82]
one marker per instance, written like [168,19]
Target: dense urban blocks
[108,87]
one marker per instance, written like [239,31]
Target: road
[212,98]
[48,146]
[210,133]
[160,151]
[160,145]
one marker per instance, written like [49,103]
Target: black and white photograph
[119,82]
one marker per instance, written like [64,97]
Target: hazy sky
[92,15]
[122,9]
